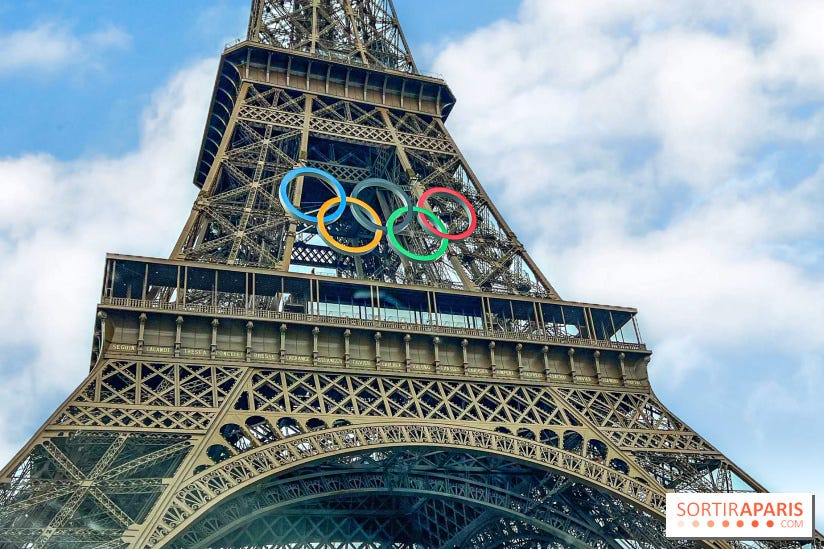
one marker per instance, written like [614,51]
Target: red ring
[473,217]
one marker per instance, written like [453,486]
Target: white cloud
[48,48]
[653,134]
[61,219]
[674,149]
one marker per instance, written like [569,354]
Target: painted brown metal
[235,402]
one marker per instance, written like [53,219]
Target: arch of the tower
[396,498]
[414,485]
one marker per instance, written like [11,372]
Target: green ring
[393,240]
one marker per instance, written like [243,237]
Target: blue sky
[120,52]
[670,151]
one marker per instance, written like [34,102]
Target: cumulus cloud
[674,149]
[50,47]
[57,222]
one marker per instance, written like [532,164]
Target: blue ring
[320,174]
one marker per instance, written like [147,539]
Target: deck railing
[434,326]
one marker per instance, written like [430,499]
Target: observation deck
[197,311]
[310,73]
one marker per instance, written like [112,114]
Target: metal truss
[348,31]
[238,219]
[86,488]
[469,463]
[226,408]
[429,495]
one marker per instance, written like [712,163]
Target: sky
[666,155]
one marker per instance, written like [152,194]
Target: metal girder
[242,430]
[352,31]
[86,487]
[238,220]
[429,503]
[266,423]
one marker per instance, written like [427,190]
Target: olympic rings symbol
[366,216]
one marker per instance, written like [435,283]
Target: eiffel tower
[276,384]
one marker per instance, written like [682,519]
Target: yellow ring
[353,250]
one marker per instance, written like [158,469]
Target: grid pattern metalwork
[229,405]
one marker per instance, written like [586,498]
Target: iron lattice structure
[260,390]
